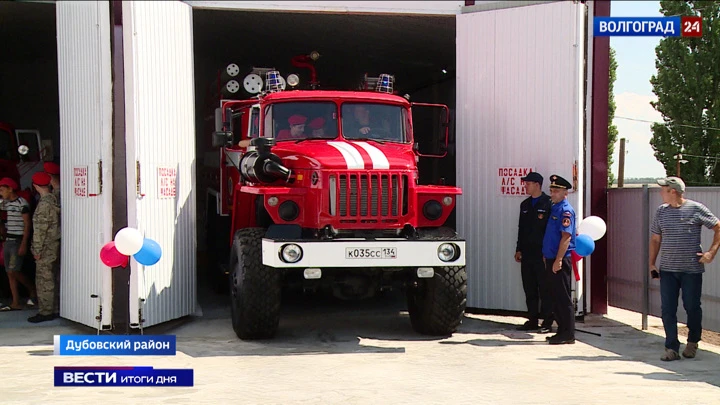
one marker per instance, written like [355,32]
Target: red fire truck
[321,191]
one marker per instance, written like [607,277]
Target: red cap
[8,182]
[317,123]
[52,168]
[41,179]
[297,119]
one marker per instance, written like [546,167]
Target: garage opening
[29,106]
[418,50]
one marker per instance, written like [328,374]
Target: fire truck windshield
[302,120]
[374,121]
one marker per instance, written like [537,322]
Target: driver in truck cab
[363,124]
[297,128]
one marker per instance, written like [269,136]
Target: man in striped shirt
[676,234]
[16,230]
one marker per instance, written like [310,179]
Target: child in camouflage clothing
[45,247]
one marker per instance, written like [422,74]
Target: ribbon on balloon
[590,229]
[130,242]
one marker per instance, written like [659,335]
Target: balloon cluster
[589,230]
[130,242]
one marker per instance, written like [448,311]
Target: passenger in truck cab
[318,127]
[297,128]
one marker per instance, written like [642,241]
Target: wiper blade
[380,141]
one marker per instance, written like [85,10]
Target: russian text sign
[111,345]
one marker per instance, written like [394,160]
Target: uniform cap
[51,168]
[674,183]
[534,177]
[297,119]
[8,182]
[41,179]
[317,123]
[558,182]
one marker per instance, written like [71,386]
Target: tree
[687,86]
[612,129]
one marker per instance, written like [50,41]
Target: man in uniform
[318,127]
[297,128]
[45,247]
[534,212]
[558,243]
[53,169]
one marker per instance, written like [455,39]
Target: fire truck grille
[368,197]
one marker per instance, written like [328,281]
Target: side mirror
[431,129]
[221,138]
[223,135]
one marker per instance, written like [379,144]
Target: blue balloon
[584,245]
[149,254]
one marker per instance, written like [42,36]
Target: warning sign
[509,180]
[80,181]
[167,177]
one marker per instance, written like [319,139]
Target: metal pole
[621,164]
[645,254]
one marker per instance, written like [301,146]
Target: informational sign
[167,177]
[80,181]
[509,180]
[114,345]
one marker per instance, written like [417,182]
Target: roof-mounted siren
[385,83]
[274,82]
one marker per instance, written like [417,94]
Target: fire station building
[121,91]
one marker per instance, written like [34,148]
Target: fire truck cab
[322,193]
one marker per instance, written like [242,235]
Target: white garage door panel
[390,7]
[160,133]
[83,41]
[519,104]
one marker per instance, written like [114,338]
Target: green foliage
[612,129]
[687,85]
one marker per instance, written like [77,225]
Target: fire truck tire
[254,288]
[437,305]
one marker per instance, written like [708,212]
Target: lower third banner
[122,377]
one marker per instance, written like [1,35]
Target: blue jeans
[691,285]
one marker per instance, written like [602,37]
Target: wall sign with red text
[509,181]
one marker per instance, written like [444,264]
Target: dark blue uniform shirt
[562,219]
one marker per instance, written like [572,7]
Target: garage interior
[418,50]
[29,82]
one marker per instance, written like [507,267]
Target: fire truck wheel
[437,305]
[255,289]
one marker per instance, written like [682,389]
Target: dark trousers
[691,285]
[563,307]
[537,292]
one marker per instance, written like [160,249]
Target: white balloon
[129,241]
[592,226]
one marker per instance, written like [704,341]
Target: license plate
[370,253]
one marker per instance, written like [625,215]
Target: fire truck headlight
[432,210]
[23,150]
[448,252]
[288,211]
[447,201]
[272,201]
[291,253]
[293,80]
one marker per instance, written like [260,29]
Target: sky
[636,64]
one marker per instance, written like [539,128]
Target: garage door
[520,86]
[83,41]
[161,155]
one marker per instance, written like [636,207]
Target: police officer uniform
[534,214]
[562,220]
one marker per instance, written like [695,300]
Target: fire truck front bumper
[362,253]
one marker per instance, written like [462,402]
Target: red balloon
[111,257]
